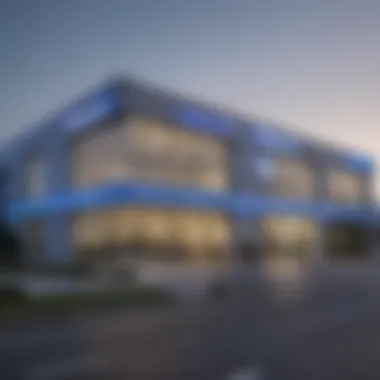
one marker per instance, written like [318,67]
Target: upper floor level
[128,131]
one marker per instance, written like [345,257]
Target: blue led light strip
[161,196]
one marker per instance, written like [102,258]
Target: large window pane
[172,235]
[99,158]
[170,154]
[148,150]
[292,178]
[345,186]
[285,235]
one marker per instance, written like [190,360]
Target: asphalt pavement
[321,324]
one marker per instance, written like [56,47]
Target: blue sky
[311,65]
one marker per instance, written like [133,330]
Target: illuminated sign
[94,110]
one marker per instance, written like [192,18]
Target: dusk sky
[312,65]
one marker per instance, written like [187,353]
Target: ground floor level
[193,237]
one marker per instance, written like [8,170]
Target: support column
[58,239]
[17,173]
[321,194]
[246,234]
[320,250]
[58,226]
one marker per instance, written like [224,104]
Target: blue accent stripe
[360,164]
[276,141]
[203,121]
[161,196]
[95,109]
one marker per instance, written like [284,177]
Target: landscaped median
[59,304]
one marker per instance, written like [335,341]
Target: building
[132,169]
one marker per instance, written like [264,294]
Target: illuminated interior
[170,235]
[289,236]
[146,150]
[292,178]
[345,186]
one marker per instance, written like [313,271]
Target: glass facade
[345,187]
[99,157]
[171,235]
[291,178]
[147,150]
[289,235]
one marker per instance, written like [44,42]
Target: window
[292,178]
[287,235]
[345,186]
[172,235]
[147,150]
[99,158]
[168,154]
